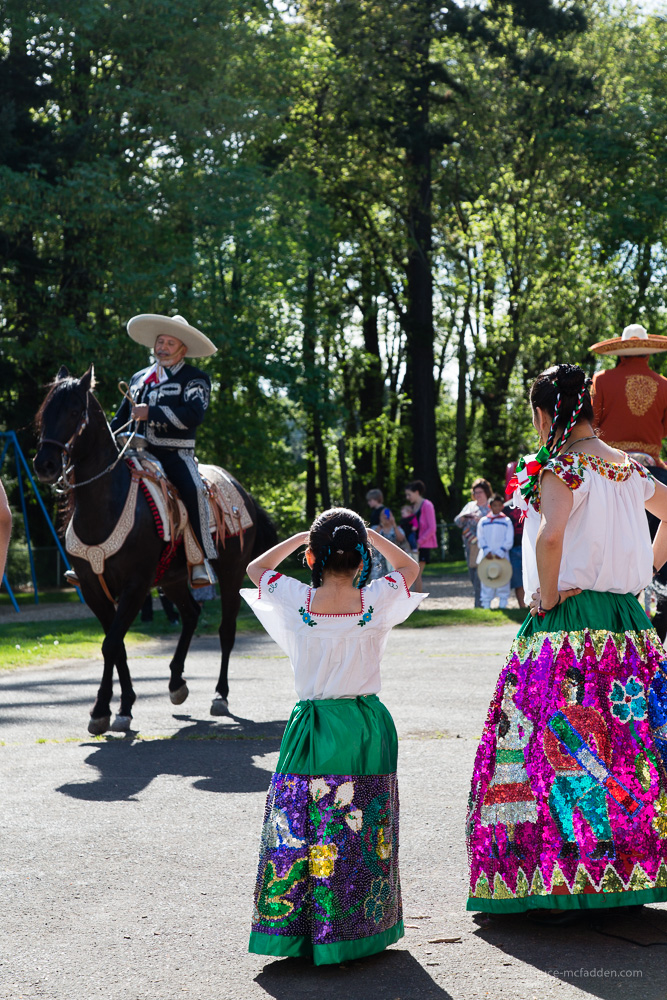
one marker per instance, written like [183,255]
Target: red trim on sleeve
[397,572]
[275,576]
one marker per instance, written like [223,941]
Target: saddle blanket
[228,513]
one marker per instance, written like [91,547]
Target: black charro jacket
[175,407]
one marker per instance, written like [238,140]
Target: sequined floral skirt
[568,803]
[328,885]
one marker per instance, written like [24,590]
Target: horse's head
[60,420]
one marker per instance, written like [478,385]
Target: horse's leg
[127,694]
[104,611]
[230,602]
[177,590]
[113,649]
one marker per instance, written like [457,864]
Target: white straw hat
[634,340]
[494,572]
[147,327]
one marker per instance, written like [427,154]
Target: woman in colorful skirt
[328,885]
[568,805]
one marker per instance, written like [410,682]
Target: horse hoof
[121,723]
[219,706]
[98,726]
[179,696]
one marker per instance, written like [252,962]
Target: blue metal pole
[45,512]
[10,592]
[24,509]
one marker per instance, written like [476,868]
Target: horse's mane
[69,382]
[65,503]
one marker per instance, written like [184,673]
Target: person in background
[427,539]
[630,410]
[5,529]
[201,596]
[495,534]
[390,530]
[467,520]
[410,526]
[375,500]
[630,401]
[516,517]
[168,607]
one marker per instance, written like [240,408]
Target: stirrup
[71,578]
[201,575]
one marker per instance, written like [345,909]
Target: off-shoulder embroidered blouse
[607,545]
[333,656]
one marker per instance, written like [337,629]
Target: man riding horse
[169,400]
[630,406]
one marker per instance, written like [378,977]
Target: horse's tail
[266,534]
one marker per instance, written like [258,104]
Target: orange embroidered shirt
[630,405]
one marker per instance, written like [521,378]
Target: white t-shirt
[338,655]
[607,544]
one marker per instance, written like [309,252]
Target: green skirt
[328,885]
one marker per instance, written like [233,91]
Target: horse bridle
[66,450]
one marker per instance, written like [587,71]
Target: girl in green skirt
[328,885]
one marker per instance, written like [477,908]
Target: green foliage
[389,218]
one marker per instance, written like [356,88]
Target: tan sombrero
[634,340]
[147,327]
[494,572]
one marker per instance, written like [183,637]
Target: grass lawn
[35,643]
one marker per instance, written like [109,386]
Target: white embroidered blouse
[607,545]
[337,655]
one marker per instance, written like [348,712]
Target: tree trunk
[418,320]
[370,461]
[461,444]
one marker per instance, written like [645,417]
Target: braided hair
[339,541]
[563,392]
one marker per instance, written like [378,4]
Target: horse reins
[66,449]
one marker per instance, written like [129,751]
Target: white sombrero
[634,340]
[147,327]
[494,572]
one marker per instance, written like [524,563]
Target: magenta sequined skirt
[568,803]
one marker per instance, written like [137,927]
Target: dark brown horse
[76,444]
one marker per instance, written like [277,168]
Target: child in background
[495,537]
[410,526]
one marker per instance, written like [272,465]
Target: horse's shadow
[218,755]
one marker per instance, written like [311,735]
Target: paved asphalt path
[127,864]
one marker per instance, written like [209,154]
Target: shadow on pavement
[219,755]
[381,977]
[611,953]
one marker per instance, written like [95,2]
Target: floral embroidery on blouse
[366,617]
[570,469]
[638,467]
[305,616]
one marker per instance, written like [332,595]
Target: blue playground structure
[9,441]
